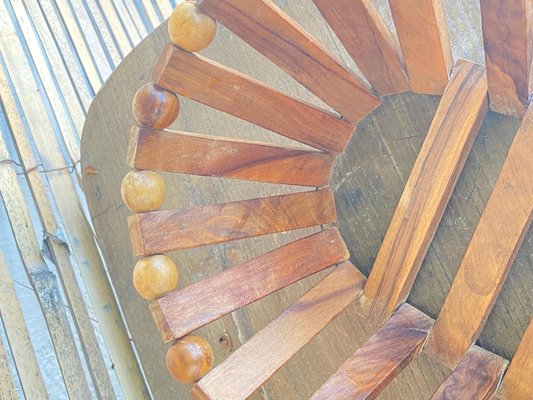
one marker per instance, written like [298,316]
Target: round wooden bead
[143,191]
[191,29]
[189,359]
[154,107]
[155,276]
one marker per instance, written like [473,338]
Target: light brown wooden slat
[183,311]
[269,30]
[7,385]
[18,336]
[255,361]
[476,377]
[517,384]
[214,85]
[164,231]
[366,373]
[508,44]
[367,38]
[423,35]
[206,155]
[430,185]
[490,254]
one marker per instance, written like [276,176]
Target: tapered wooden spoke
[518,381]
[490,253]
[269,30]
[256,360]
[214,85]
[366,373]
[367,38]
[229,158]
[423,35]
[476,377]
[164,231]
[183,311]
[430,185]
[508,48]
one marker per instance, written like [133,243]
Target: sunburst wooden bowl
[305,231]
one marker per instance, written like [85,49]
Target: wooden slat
[212,84]
[256,360]
[164,231]
[508,48]
[430,185]
[18,336]
[7,385]
[269,30]
[367,38]
[423,36]
[207,155]
[366,373]
[517,383]
[476,377]
[490,254]
[183,311]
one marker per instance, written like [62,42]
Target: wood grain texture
[490,254]
[438,166]
[476,377]
[508,45]
[367,38]
[366,373]
[517,382]
[207,155]
[260,357]
[423,35]
[183,311]
[273,33]
[224,89]
[164,231]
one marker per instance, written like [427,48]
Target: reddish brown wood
[217,86]
[518,381]
[423,35]
[268,29]
[476,377]
[430,185]
[155,107]
[490,254]
[206,155]
[366,373]
[189,28]
[255,361]
[367,38]
[164,231]
[183,311]
[508,49]
[189,359]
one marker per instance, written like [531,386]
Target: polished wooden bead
[191,29]
[189,359]
[155,276]
[143,191]
[154,107]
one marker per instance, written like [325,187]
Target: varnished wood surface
[519,376]
[255,361]
[185,310]
[439,163]
[366,373]
[423,33]
[234,93]
[490,254]
[164,231]
[207,155]
[269,30]
[476,377]
[369,42]
[508,43]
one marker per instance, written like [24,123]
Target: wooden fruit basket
[398,332]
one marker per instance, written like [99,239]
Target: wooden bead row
[191,357]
